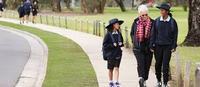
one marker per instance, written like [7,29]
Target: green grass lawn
[68,65]
[74,22]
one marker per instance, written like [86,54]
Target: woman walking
[140,34]
[163,43]
[113,41]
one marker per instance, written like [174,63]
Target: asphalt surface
[14,54]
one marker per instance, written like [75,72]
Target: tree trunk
[12,4]
[56,5]
[87,6]
[100,6]
[4,3]
[193,36]
[121,5]
[132,4]
[185,5]
[68,4]
[92,6]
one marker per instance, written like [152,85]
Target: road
[14,53]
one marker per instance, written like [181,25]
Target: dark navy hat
[164,6]
[113,21]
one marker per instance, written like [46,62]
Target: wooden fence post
[81,26]
[41,19]
[66,22]
[87,25]
[99,27]
[75,23]
[187,74]
[59,22]
[126,36]
[104,28]
[47,19]
[96,23]
[12,15]
[178,71]
[197,76]
[53,21]
[94,27]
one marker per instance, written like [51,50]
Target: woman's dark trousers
[162,57]
[144,59]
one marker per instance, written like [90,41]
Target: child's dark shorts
[27,12]
[114,62]
[1,6]
[21,15]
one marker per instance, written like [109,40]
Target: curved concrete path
[23,59]
[92,46]
[14,53]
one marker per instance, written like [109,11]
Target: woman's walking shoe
[159,84]
[111,84]
[116,84]
[165,85]
[145,84]
[141,82]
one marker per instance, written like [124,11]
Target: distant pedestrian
[112,43]
[27,8]
[140,34]
[1,7]
[35,9]
[21,13]
[163,43]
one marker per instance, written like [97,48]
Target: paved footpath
[92,46]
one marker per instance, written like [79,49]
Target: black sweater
[164,33]
[108,45]
[136,44]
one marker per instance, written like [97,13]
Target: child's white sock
[110,81]
[115,81]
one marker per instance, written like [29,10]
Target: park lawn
[128,16]
[131,14]
[74,21]
[68,65]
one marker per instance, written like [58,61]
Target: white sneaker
[141,82]
[145,84]
[165,85]
[116,84]
[159,84]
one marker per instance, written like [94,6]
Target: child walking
[21,13]
[113,41]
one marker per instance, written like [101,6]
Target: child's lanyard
[113,40]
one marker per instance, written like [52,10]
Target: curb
[34,71]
